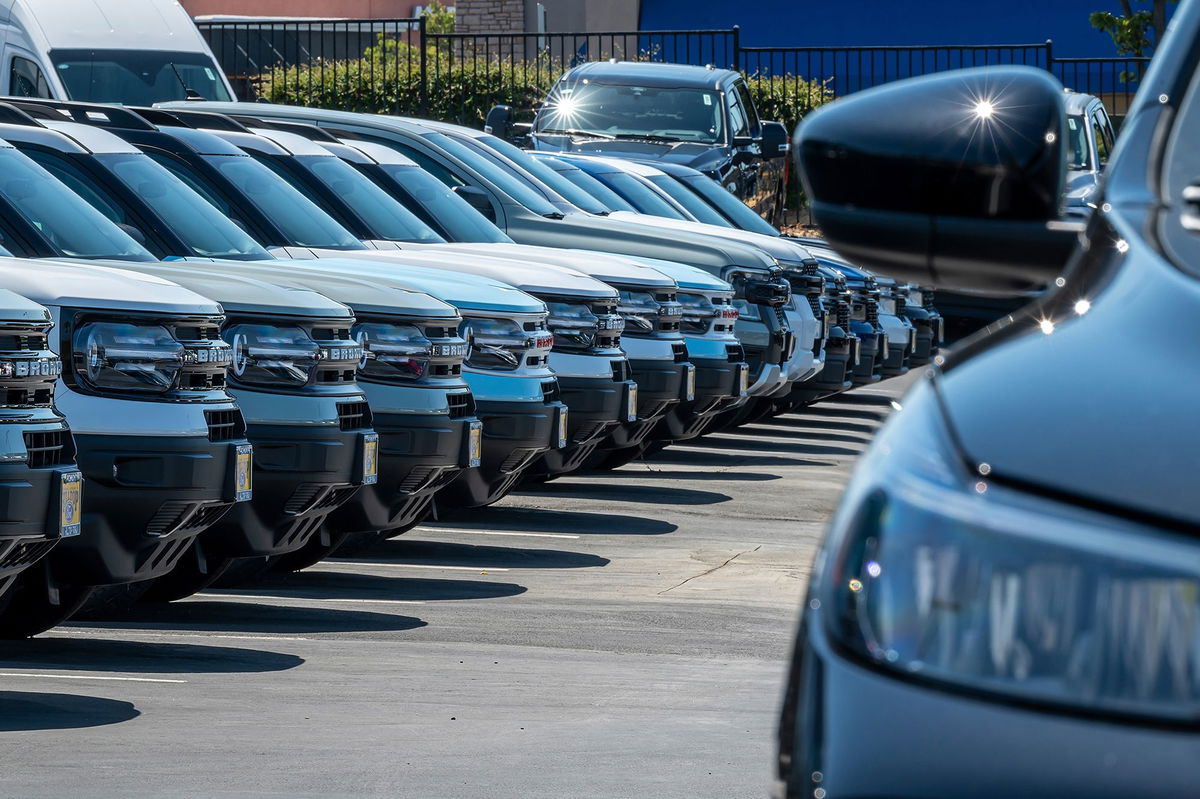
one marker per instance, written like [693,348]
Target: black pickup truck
[701,117]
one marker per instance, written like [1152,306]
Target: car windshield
[438,205]
[386,217]
[742,215]
[66,220]
[611,200]
[633,112]
[642,197]
[494,175]
[1078,155]
[298,218]
[199,225]
[540,170]
[689,200]
[137,77]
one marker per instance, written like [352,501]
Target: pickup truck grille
[48,448]
[28,368]
[353,415]
[225,425]
[461,405]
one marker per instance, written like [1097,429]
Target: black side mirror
[743,141]
[134,233]
[952,179]
[774,140]
[499,121]
[477,199]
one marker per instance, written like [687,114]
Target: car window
[436,203]
[747,105]
[25,79]
[633,112]
[1102,143]
[193,180]
[642,197]
[612,200]
[738,124]
[742,215]
[78,181]
[1078,152]
[689,200]
[387,218]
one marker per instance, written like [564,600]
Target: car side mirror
[953,180]
[477,198]
[743,141]
[499,121]
[774,140]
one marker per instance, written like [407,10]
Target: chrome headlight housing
[578,327]
[127,357]
[700,313]
[502,344]
[646,312]
[272,356]
[938,574]
[394,352]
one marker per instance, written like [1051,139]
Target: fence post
[421,20]
[737,46]
[1050,56]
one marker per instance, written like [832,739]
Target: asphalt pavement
[617,635]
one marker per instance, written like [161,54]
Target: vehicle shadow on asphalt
[535,520]
[642,470]
[811,434]
[737,442]
[848,413]
[652,494]
[24,711]
[693,456]
[254,616]
[813,420]
[88,653]
[325,583]
[444,553]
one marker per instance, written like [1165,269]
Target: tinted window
[735,210]
[738,123]
[137,77]
[26,80]
[541,171]
[747,104]
[302,223]
[1100,134]
[688,199]
[194,181]
[1078,152]
[494,175]
[386,218]
[610,199]
[639,195]
[79,181]
[440,204]
[64,218]
[633,112]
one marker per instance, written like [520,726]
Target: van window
[26,80]
[137,77]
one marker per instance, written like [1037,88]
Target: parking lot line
[4,674]
[276,598]
[493,532]
[384,564]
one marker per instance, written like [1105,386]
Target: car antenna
[188,92]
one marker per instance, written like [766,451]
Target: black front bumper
[418,455]
[301,474]
[719,384]
[897,363]
[661,385]
[31,514]
[835,376]
[146,498]
[870,365]
[515,434]
[929,334]
[596,406]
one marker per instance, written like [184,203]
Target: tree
[438,18]
[1131,30]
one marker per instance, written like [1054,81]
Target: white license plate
[70,504]
[691,383]
[631,409]
[475,444]
[242,480]
[370,459]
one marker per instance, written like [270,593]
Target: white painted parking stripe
[386,564]
[4,674]
[493,532]
[268,598]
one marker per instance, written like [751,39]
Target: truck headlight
[574,325]
[498,344]
[124,357]
[272,356]
[392,352]
[645,313]
[943,576]
[698,313]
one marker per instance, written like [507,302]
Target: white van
[135,52]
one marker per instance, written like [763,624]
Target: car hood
[779,248]
[694,154]
[603,267]
[517,267]
[687,277]
[238,292]
[1081,186]
[108,285]
[15,308]
[1091,410]
[463,291]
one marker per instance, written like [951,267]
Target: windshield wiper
[647,137]
[573,132]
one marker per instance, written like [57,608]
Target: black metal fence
[510,67]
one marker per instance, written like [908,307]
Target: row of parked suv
[242,336]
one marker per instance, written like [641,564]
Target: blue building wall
[892,22]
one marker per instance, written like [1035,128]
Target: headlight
[698,313]
[496,343]
[644,313]
[393,352]
[746,311]
[117,356]
[944,576]
[271,356]
[760,290]
[577,327]
[915,298]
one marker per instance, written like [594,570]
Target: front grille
[197,332]
[14,342]
[202,381]
[32,368]
[47,448]
[926,298]
[519,458]
[901,302]
[180,515]
[871,308]
[735,353]
[331,333]
[461,405]
[419,478]
[550,390]
[814,302]
[620,370]
[843,315]
[25,553]
[679,351]
[353,415]
[225,425]
[439,331]
[303,498]
[781,315]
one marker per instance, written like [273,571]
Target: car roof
[1077,104]
[652,73]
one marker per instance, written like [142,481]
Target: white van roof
[106,24]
